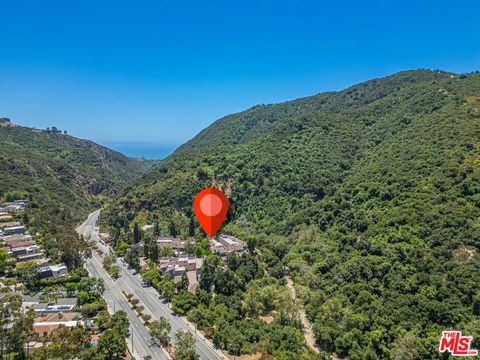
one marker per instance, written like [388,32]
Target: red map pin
[211,207]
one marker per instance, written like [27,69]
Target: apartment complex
[227,244]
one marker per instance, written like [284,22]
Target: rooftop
[21,244]
[56,316]
[51,325]
[8,224]
[29,256]
[28,248]
[16,238]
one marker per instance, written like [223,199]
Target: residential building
[47,328]
[53,271]
[29,256]
[61,305]
[13,239]
[4,217]
[23,250]
[8,224]
[185,263]
[176,266]
[14,206]
[41,261]
[56,316]
[177,245]
[21,244]
[20,229]
[227,244]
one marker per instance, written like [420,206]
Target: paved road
[113,295]
[148,297]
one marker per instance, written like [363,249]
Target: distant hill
[369,196]
[56,168]
[249,124]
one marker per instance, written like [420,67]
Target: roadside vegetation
[63,178]
[368,198]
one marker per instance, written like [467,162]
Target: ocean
[147,151]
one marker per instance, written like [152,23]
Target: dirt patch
[464,254]
[307,327]
[266,319]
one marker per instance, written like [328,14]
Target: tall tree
[147,245]
[191,227]
[4,256]
[167,289]
[154,252]
[136,234]
[160,330]
[132,257]
[15,325]
[112,344]
[173,230]
[207,272]
[120,319]
[251,243]
[116,237]
[29,275]
[185,346]
[156,230]
[185,282]
[26,219]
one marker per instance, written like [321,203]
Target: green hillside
[369,197]
[53,166]
[64,177]
[249,124]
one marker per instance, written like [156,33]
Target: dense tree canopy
[369,198]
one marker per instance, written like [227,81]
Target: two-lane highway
[148,297]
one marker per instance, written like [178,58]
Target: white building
[227,244]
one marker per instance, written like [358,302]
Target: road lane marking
[146,296]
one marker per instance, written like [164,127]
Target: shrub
[134,301]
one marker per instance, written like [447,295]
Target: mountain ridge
[370,202]
[51,164]
[315,102]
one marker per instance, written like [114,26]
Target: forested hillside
[249,124]
[368,197]
[64,177]
[53,166]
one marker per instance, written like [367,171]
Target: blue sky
[157,72]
